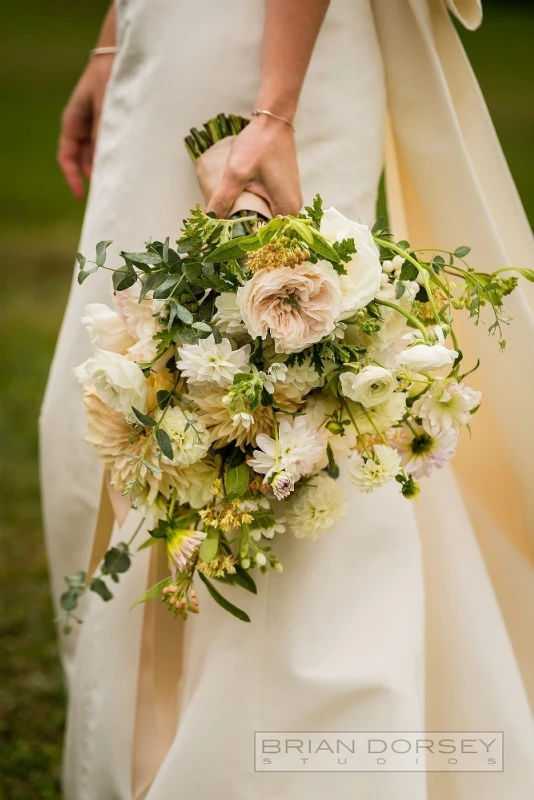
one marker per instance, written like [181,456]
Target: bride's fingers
[75,133]
[232,184]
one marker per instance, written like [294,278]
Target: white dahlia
[222,425]
[298,450]
[189,437]
[194,483]
[369,473]
[209,362]
[299,380]
[315,507]
[114,442]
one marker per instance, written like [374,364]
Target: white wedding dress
[343,639]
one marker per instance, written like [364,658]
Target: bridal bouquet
[241,369]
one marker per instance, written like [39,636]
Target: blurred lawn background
[43,47]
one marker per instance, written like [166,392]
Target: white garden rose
[296,305]
[362,281]
[118,382]
[106,329]
[228,318]
[424,357]
[370,387]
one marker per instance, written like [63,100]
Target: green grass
[42,47]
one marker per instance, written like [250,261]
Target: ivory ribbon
[161,648]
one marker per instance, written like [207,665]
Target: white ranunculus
[370,387]
[106,329]
[117,381]
[364,270]
[424,357]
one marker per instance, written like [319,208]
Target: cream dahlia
[315,507]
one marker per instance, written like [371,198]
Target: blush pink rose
[298,306]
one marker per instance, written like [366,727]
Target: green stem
[358,434]
[413,319]
[422,272]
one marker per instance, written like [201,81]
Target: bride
[408,617]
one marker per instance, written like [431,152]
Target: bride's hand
[263,160]
[79,124]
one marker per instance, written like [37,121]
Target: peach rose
[296,305]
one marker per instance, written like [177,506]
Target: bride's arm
[263,157]
[79,123]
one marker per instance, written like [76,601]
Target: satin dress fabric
[342,639]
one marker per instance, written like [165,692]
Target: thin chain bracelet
[258,111]
[103,51]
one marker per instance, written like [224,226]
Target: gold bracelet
[258,111]
[103,51]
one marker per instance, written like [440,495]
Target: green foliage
[236,612]
[315,211]
[236,481]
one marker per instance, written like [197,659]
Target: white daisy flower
[421,453]
[316,507]
[208,362]
[368,473]
[297,451]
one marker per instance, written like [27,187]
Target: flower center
[422,443]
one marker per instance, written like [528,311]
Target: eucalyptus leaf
[101,252]
[81,259]
[143,259]
[164,443]
[117,560]
[69,600]
[84,273]
[98,586]
[462,251]
[143,418]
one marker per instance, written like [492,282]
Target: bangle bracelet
[103,51]
[258,111]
